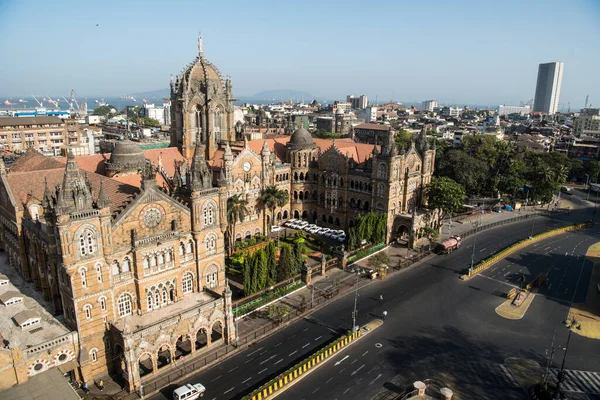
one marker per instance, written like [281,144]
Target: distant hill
[282,94]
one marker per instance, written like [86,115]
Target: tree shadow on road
[466,364]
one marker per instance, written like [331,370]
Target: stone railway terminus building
[125,252]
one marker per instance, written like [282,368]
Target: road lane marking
[292,336]
[359,368]
[218,377]
[373,381]
[315,391]
[329,380]
[342,370]
[305,345]
[232,369]
[246,380]
[365,353]
[305,330]
[255,351]
[277,362]
[247,361]
[262,371]
[339,362]
[264,352]
[291,354]
[268,359]
[278,344]
[359,381]
[346,391]
[354,361]
[229,390]
[318,338]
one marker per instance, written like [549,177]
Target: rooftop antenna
[376,99]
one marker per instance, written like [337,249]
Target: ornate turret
[103,199]
[76,193]
[265,152]
[201,176]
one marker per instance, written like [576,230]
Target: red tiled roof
[34,161]
[30,182]
[360,152]
[375,127]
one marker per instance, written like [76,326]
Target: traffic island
[517,307]
[587,315]
[282,382]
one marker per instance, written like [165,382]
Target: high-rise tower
[547,91]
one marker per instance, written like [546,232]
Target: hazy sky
[483,52]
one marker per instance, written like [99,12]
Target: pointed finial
[70,155]
[245,141]
[200,46]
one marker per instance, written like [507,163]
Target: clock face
[152,217]
[246,166]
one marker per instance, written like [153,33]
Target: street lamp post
[533,223]
[587,186]
[561,373]
[476,225]
[354,327]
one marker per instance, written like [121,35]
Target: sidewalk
[458,228]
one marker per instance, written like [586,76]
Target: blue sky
[471,52]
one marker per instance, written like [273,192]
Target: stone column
[446,394]
[306,273]
[323,264]
[420,386]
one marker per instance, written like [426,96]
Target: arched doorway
[216,332]
[201,339]
[278,216]
[285,214]
[183,347]
[314,215]
[330,219]
[304,214]
[145,364]
[163,356]
[296,214]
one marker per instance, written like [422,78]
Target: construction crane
[37,101]
[528,103]
[76,107]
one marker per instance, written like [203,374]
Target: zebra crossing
[578,381]
[490,374]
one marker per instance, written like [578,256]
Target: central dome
[301,138]
[127,156]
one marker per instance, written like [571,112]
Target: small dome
[339,111]
[301,138]
[126,155]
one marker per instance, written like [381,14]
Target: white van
[189,392]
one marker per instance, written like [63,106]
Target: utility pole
[550,358]
[354,327]
[533,223]
[561,373]
[476,225]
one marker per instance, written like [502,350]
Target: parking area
[331,236]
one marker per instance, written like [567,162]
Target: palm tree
[271,197]
[236,211]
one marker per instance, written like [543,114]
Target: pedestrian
[384,314]
[84,387]
[380,297]
[101,385]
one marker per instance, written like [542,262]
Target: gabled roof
[25,316]
[6,296]
[34,161]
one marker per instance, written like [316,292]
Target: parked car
[276,228]
[323,231]
[302,224]
[189,392]
[290,222]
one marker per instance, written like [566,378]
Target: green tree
[247,276]
[237,210]
[378,260]
[104,111]
[403,138]
[145,121]
[270,198]
[465,169]
[271,253]
[285,267]
[259,277]
[323,134]
[593,168]
[446,195]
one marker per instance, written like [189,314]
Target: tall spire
[200,46]
[76,193]
[103,199]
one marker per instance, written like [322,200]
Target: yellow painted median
[283,381]
[485,264]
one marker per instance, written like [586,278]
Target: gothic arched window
[115,268]
[83,278]
[211,245]
[382,171]
[209,215]
[87,242]
[124,305]
[126,266]
[187,283]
